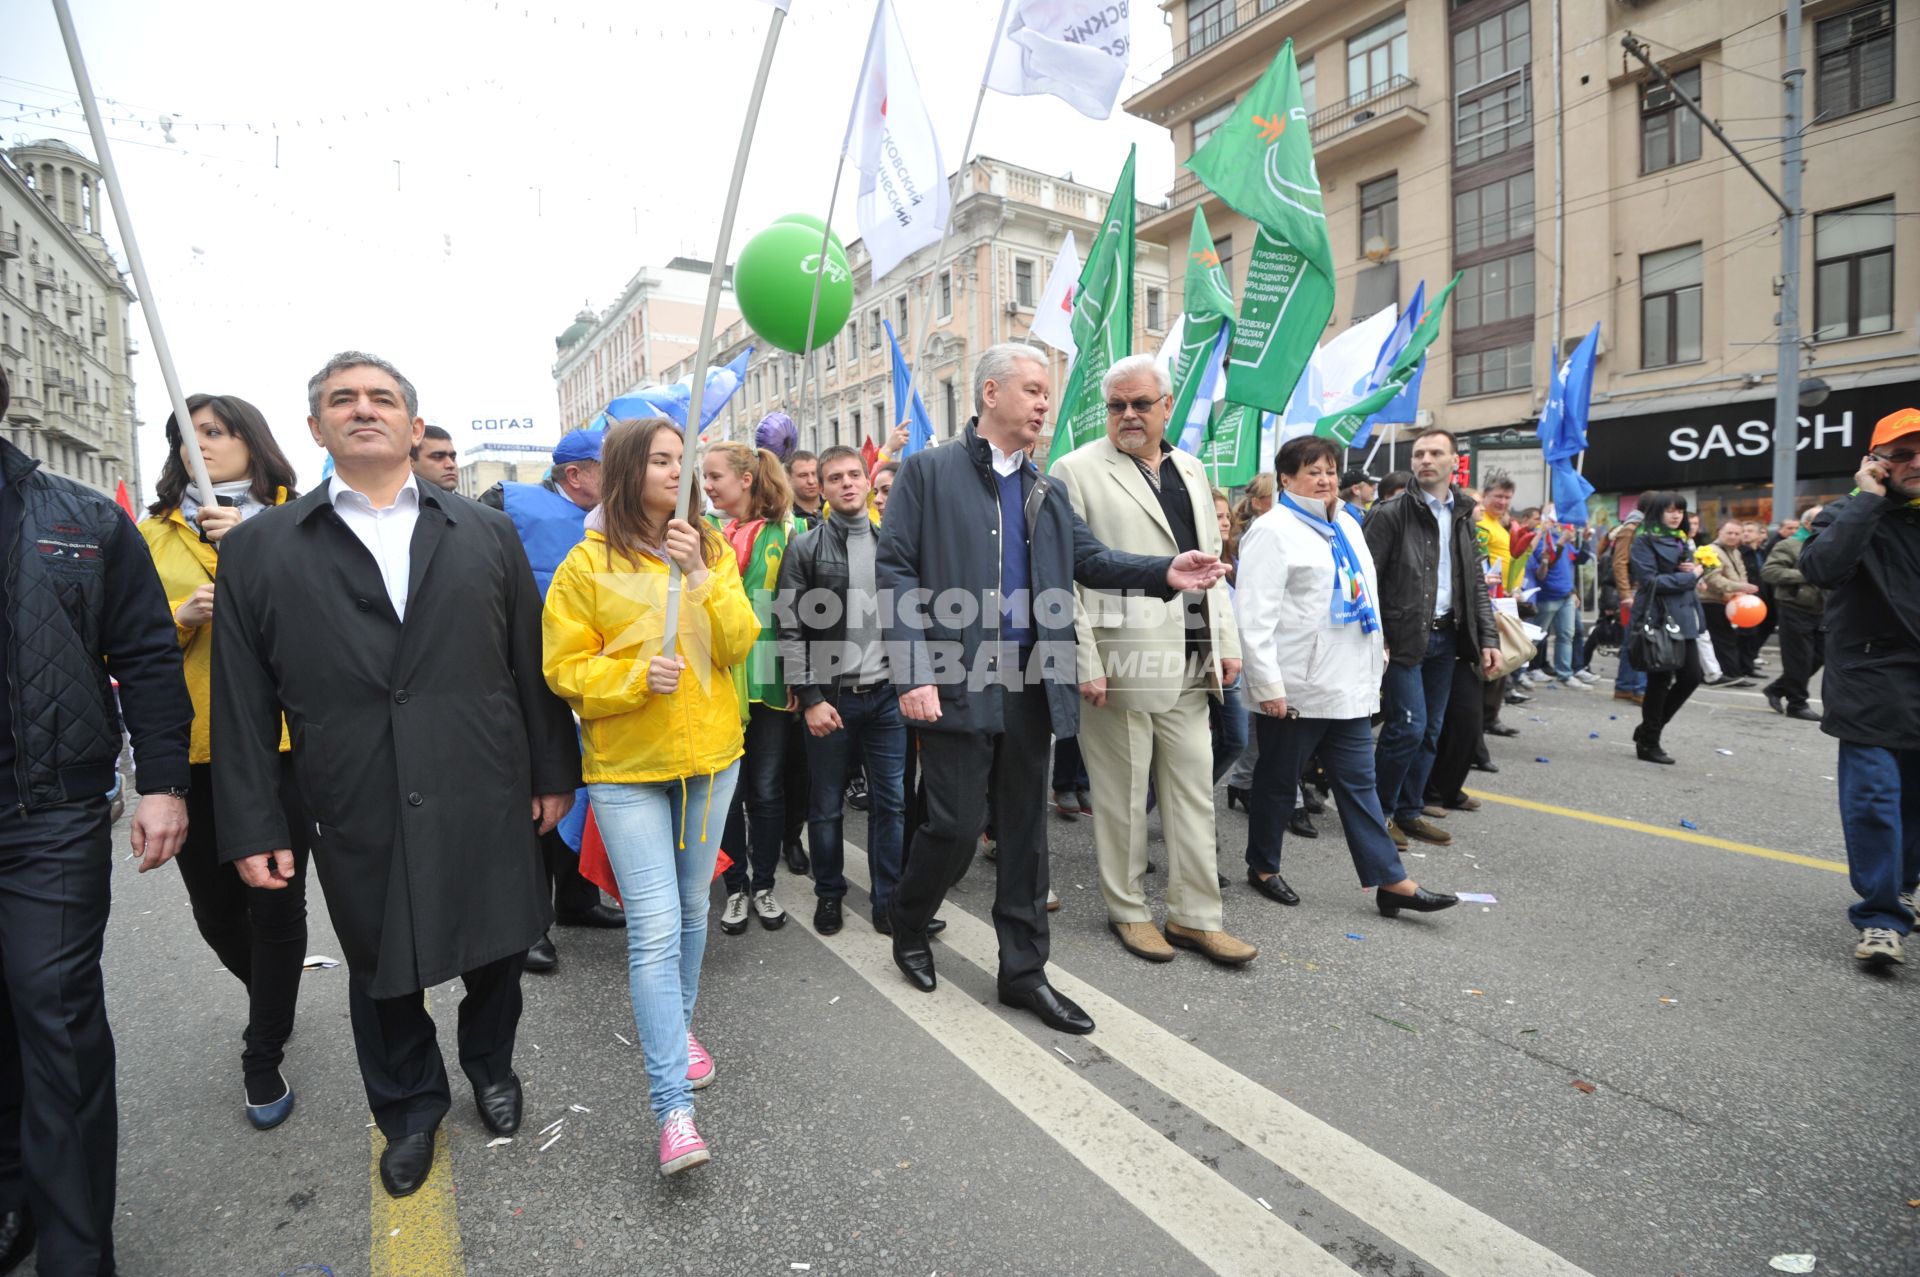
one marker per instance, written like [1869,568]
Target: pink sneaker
[699,1064]
[681,1148]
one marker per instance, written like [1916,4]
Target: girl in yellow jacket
[661,738]
[258,935]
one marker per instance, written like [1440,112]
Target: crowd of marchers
[471,716]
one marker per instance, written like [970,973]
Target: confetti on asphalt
[1670,1002]
[1395,1023]
[550,1143]
[1264,1202]
[1421,854]
[1593,735]
[579,1108]
[1477,897]
[1613,718]
[623,1041]
[1478,993]
[496,1143]
[1585,1088]
[1543,760]
[835,998]
[1063,1055]
[1688,824]
[396,1233]
[798,1267]
[554,1126]
[1727,752]
[319,962]
[1792,1263]
[1354,935]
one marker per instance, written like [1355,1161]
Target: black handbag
[1655,644]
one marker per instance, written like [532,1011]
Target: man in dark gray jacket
[1798,605]
[979,553]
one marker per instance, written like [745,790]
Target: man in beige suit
[1146,668]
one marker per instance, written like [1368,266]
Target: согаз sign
[498,425]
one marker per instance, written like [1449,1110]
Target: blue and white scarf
[1351,601]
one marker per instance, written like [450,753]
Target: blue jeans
[872,731]
[1345,746]
[1880,812]
[661,840]
[1626,678]
[1557,617]
[1230,728]
[1415,708]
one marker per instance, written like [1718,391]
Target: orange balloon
[1746,611]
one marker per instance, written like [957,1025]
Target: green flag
[1343,425]
[1102,323]
[1232,451]
[1209,308]
[1260,162]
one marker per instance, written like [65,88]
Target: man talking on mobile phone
[1865,550]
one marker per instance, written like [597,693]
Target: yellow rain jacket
[185,563]
[603,623]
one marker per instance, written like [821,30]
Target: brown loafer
[1426,831]
[1228,951]
[1399,835]
[1142,940]
[1434,811]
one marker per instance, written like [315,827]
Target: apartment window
[833,430]
[1376,56]
[1223,249]
[952,403]
[880,422]
[853,340]
[1853,271]
[946,294]
[1670,306]
[1209,22]
[1156,318]
[873,330]
[1669,132]
[1494,292]
[900,317]
[1023,290]
[1205,123]
[1853,61]
[1494,214]
[1380,211]
[1309,86]
[1490,48]
[856,425]
[1492,122]
[1488,372]
[833,355]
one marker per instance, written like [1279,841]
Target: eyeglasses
[1903,457]
[1141,407]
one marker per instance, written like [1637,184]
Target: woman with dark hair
[1665,578]
[258,935]
[660,738]
[1311,638]
[748,489]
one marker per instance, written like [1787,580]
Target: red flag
[869,454]
[596,869]
[122,499]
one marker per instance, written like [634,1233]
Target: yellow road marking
[417,1235]
[1678,835]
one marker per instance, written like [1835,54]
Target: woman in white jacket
[1310,638]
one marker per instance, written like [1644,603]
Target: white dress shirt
[1007,462]
[387,533]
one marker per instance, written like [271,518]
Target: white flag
[1339,375]
[1077,50]
[1053,317]
[903,184]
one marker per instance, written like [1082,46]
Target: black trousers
[1734,662]
[757,818]
[797,787]
[957,770]
[1802,640]
[1462,736]
[399,1054]
[259,934]
[59,1127]
[1666,693]
[572,894]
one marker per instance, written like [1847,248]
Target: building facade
[486,464]
[64,306]
[1008,225]
[1569,187]
[653,324]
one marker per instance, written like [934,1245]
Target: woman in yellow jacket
[660,735]
[258,935]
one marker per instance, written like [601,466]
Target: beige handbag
[1516,649]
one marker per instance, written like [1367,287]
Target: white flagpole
[696,402]
[138,264]
[953,205]
[1374,451]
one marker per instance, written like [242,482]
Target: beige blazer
[1139,644]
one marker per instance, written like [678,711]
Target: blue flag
[920,432]
[673,401]
[1406,405]
[1563,429]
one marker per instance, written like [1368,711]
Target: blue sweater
[1016,605]
[1555,579]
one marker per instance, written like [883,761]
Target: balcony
[25,410]
[99,325]
[11,351]
[1208,26]
[1221,42]
[71,299]
[1367,119]
[43,277]
[9,246]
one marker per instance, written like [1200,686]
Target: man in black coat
[397,627]
[78,596]
[980,552]
[1865,552]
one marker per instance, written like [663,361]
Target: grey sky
[544,153]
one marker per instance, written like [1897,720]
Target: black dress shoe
[826,915]
[406,1163]
[1273,887]
[542,958]
[1653,754]
[1421,901]
[1302,824]
[598,916]
[1489,767]
[1776,702]
[1312,802]
[796,857]
[1803,713]
[1501,729]
[500,1105]
[16,1238]
[1237,797]
[1057,1011]
[1518,698]
[916,963]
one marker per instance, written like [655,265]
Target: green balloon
[773,281]
[808,219]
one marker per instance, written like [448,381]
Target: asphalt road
[1652,1056]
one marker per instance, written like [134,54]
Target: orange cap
[1894,425]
